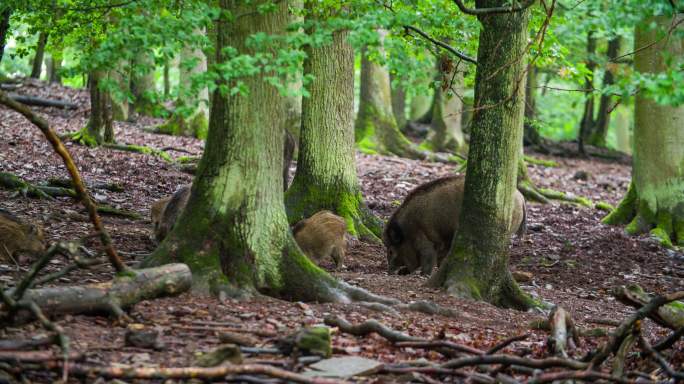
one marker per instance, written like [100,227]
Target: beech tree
[234,233]
[446,133]
[477,264]
[326,167]
[655,199]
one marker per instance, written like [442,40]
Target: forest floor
[573,259]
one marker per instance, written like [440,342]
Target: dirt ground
[573,258]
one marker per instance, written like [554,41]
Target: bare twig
[505,343]
[368,327]
[492,10]
[666,367]
[61,150]
[441,44]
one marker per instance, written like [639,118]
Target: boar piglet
[321,236]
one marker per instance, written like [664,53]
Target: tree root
[368,327]
[14,182]
[541,162]
[145,150]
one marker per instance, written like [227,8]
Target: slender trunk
[398,103]
[655,200]
[37,66]
[167,79]
[326,170]
[293,102]
[196,121]
[477,265]
[531,135]
[234,233]
[55,67]
[587,124]
[376,129]
[119,98]
[446,134]
[142,84]
[421,105]
[4,29]
[99,127]
[598,136]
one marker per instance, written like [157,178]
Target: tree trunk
[196,121]
[531,135]
[326,170]
[234,233]
[598,136]
[37,66]
[121,108]
[655,199]
[587,124]
[167,79]
[446,134]
[4,29]
[142,84]
[55,66]
[99,128]
[398,103]
[477,265]
[375,127]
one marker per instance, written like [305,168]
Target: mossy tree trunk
[531,135]
[398,102]
[477,264]
[375,127]
[99,128]
[142,84]
[598,135]
[446,133]
[37,66]
[234,233]
[326,171]
[195,122]
[5,14]
[121,107]
[588,122]
[293,102]
[655,199]
[55,66]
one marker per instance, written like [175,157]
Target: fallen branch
[61,150]
[41,102]
[110,297]
[368,327]
[506,343]
[670,340]
[664,365]
[181,373]
[669,315]
[563,332]
[139,149]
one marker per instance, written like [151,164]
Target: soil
[573,259]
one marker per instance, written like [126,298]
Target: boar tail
[523,224]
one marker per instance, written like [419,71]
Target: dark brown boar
[17,237]
[166,211]
[321,236]
[419,233]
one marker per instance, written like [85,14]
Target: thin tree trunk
[531,135]
[398,103]
[196,122]
[55,66]
[234,233]
[167,79]
[655,199]
[4,29]
[375,127]
[37,66]
[99,128]
[587,124]
[142,84]
[445,133]
[598,136]
[477,265]
[326,170]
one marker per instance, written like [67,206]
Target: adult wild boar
[321,236]
[17,237]
[419,233]
[166,211]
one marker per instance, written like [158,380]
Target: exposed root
[368,327]
[140,149]
[542,162]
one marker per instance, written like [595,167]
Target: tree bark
[196,122]
[234,233]
[598,135]
[55,66]
[477,265]
[4,29]
[99,128]
[121,108]
[655,199]
[326,170]
[446,133]
[375,127]
[398,103]
[142,84]
[587,124]
[37,66]
[531,134]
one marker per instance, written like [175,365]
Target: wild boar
[322,235]
[166,211]
[17,237]
[419,233]
[288,154]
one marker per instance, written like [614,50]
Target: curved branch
[493,10]
[441,44]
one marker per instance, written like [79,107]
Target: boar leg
[427,254]
[337,254]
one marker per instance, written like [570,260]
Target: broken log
[110,297]
[41,102]
[670,315]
